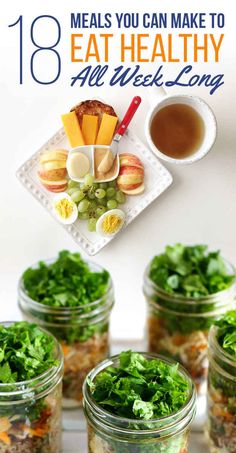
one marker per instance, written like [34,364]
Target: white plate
[157,179]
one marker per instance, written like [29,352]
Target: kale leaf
[227,332]
[139,388]
[190,271]
[25,352]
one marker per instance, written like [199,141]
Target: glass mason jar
[221,396]
[109,433]
[178,326]
[30,412]
[82,331]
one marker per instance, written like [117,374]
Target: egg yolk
[111,224]
[64,208]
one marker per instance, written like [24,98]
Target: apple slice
[56,189]
[130,160]
[52,175]
[130,177]
[138,191]
[54,186]
[56,154]
[53,165]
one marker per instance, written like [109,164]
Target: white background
[198,208]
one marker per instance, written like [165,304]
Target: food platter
[157,180]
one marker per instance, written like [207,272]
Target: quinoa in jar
[71,298]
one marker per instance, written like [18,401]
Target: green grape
[77,196]
[102,185]
[72,184]
[100,193]
[72,190]
[112,184]
[92,224]
[83,205]
[111,192]
[120,197]
[88,180]
[84,187]
[100,211]
[83,215]
[92,213]
[102,201]
[91,193]
[95,185]
[93,204]
[112,204]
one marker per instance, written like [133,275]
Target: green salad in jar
[187,288]
[144,404]
[31,369]
[72,298]
[222,384]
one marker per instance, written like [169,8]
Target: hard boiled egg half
[64,208]
[110,223]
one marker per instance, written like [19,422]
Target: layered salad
[74,300]
[139,392]
[222,388]
[188,282]
[29,422]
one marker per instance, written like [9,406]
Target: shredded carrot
[178,340]
[202,347]
[65,348]
[217,396]
[219,412]
[4,437]
[5,424]
[38,432]
[35,432]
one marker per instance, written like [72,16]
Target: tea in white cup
[180,129]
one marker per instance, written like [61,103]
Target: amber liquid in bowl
[177,130]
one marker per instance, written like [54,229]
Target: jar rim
[43,308]
[191,300]
[114,419]
[215,345]
[207,314]
[23,387]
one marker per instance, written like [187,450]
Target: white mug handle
[155,94]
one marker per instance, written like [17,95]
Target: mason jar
[82,331]
[221,397]
[178,326]
[30,411]
[108,433]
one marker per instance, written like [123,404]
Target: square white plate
[157,180]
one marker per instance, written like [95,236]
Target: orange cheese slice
[106,130]
[90,129]
[72,129]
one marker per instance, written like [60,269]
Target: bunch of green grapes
[94,199]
